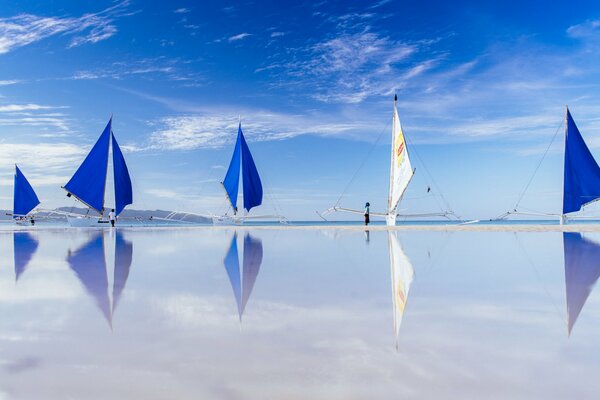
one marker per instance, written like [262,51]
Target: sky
[482,89]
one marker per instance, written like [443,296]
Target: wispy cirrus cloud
[34,115]
[24,29]
[351,66]
[40,157]
[7,82]
[239,36]
[585,29]
[218,128]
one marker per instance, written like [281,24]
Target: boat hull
[87,222]
[226,220]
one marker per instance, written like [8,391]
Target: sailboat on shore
[242,160]
[88,184]
[25,200]
[581,184]
[401,174]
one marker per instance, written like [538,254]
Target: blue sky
[481,85]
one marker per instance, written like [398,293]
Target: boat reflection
[89,264]
[401,276]
[242,282]
[582,269]
[25,246]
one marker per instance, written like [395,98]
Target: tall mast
[393,148]
[106,175]
[563,216]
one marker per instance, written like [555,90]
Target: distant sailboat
[581,183]
[88,184]
[401,173]
[582,270]
[402,274]
[242,282]
[89,264]
[24,246]
[582,174]
[241,159]
[24,200]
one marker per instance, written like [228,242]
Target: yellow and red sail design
[401,170]
[402,276]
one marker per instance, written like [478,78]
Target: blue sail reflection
[242,282]
[25,246]
[582,270]
[89,264]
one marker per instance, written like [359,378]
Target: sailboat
[401,173]
[581,183]
[582,270]
[242,281]
[24,200]
[89,264]
[88,184]
[241,159]
[402,274]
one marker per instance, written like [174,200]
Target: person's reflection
[89,264]
[367,236]
[24,246]
[242,282]
[402,276]
[582,269]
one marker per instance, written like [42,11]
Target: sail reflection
[25,246]
[89,264]
[582,269]
[242,282]
[402,276]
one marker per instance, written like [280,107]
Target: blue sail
[582,270]
[89,181]
[232,266]
[231,182]
[582,174]
[123,190]
[24,199]
[253,192]
[25,247]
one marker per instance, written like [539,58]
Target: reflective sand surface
[261,314]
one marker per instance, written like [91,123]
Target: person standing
[367,213]
[112,217]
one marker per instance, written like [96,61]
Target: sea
[251,313]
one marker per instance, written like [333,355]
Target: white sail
[402,276]
[401,171]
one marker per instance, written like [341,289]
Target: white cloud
[351,67]
[40,156]
[24,29]
[217,128]
[9,82]
[23,107]
[181,10]
[277,34]
[239,36]
[586,29]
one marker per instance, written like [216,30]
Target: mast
[106,168]
[563,216]
[392,155]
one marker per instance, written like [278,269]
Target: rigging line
[434,183]
[539,164]
[537,273]
[337,203]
